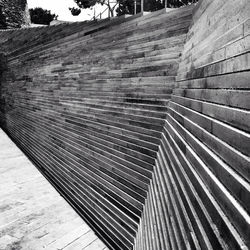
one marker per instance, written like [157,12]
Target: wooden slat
[148,161]
[88,108]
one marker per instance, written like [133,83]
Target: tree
[41,16]
[179,3]
[127,6]
[85,4]
[75,11]
[13,14]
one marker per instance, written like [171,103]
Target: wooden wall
[87,102]
[199,195]
[220,44]
[142,123]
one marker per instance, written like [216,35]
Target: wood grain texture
[200,187]
[88,108]
[141,123]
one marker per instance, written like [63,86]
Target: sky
[61,8]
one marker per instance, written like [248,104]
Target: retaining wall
[87,103]
[199,195]
[142,124]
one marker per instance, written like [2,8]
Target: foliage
[127,6]
[85,4]
[179,3]
[75,11]
[41,16]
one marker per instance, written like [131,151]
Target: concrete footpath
[33,215]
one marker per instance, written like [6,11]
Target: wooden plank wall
[199,197]
[87,103]
[151,163]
